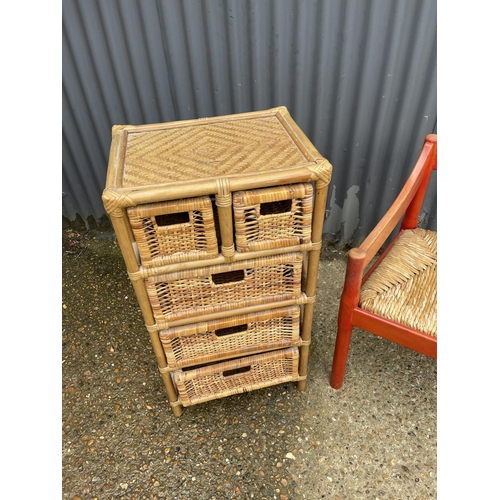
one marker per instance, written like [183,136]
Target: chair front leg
[348,302]
[344,333]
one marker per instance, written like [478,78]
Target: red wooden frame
[407,207]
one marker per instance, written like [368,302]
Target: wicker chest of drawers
[219,221]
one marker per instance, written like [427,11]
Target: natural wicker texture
[273,217]
[403,288]
[237,376]
[224,287]
[174,231]
[177,152]
[183,259]
[231,337]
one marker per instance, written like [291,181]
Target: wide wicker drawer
[238,335]
[174,231]
[273,217]
[236,376]
[224,287]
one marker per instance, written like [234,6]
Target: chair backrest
[408,204]
[424,166]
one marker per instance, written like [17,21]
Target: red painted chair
[396,298]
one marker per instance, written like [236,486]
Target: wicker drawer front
[174,231]
[237,376]
[225,287]
[231,337]
[273,217]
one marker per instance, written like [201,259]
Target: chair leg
[342,344]
[348,302]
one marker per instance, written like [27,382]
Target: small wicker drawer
[225,287]
[174,231]
[231,337]
[236,376]
[273,217]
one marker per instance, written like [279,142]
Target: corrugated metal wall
[358,76]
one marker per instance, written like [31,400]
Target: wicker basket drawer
[273,217]
[224,287]
[236,376]
[231,337]
[174,231]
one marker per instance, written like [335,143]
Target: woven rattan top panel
[245,144]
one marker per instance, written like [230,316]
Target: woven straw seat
[394,297]
[403,286]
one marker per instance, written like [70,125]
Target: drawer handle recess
[230,330]
[172,219]
[276,207]
[228,277]
[236,371]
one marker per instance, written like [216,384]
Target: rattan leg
[124,237]
[156,343]
[312,278]
[167,380]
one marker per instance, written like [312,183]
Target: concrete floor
[373,439]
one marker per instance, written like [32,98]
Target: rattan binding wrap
[403,288]
[237,376]
[273,217]
[231,337]
[174,231]
[225,287]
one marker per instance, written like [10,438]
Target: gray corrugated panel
[386,105]
[359,77]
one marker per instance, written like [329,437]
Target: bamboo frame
[119,196]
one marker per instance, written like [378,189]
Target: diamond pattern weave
[197,151]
